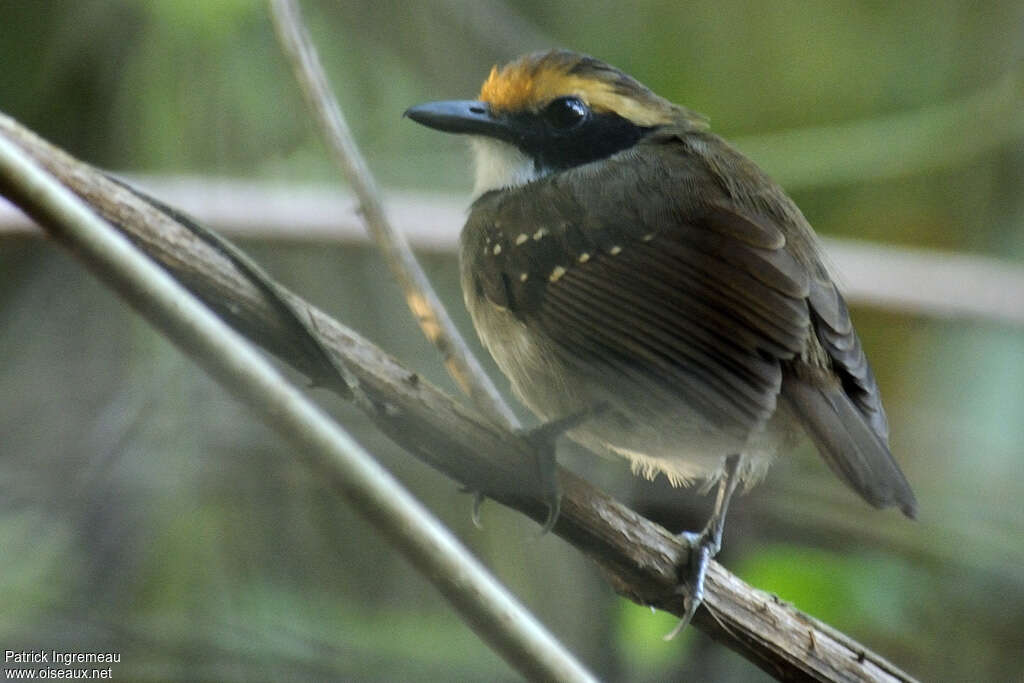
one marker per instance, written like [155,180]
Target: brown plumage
[620,255]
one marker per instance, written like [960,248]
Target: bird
[634,274]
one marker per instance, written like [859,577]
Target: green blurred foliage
[143,511]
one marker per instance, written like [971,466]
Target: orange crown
[531,81]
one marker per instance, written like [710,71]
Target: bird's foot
[703,548]
[543,440]
[705,545]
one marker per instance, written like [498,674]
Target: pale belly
[648,426]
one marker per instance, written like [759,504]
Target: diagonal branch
[639,557]
[419,295]
[493,613]
[912,280]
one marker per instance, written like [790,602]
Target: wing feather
[636,283]
[703,302]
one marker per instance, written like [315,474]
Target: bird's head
[549,111]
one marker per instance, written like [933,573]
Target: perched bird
[622,263]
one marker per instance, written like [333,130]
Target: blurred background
[143,511]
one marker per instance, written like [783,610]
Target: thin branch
[493,613]
[911,280]
[930,282]
[640,558]
[419,295]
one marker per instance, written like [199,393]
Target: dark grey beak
[461,116]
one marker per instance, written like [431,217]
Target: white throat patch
[499,164]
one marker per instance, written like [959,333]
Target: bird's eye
[566,112]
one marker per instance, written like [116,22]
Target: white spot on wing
[556,274]
[522,238]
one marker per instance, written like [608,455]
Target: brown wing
[835,332]
[700,303]
[631,279]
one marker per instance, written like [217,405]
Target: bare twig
[424,303]
[495,615]
[640,558]
[917,281]
[930,282]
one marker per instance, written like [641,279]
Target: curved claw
[551,492]
[683,623]
[705,545]
[554,503]
[702,549]
[478,500]
[543,440]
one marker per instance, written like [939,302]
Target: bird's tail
[845,441]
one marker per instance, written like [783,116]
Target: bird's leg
[705,545]
[543,440]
